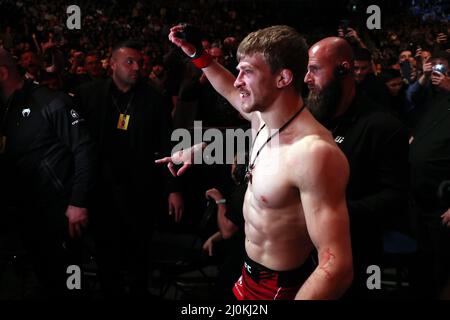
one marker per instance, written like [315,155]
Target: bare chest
[269,180]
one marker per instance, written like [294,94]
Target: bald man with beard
[376,146]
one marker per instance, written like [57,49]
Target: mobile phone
[440,68]
[344,25]
[405,68]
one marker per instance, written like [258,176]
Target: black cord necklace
[251,166]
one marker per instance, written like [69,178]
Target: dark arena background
[86,215]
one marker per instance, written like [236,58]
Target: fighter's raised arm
[223,81]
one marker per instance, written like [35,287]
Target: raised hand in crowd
[440,80]
[352,35]
[427,71]
[441,38]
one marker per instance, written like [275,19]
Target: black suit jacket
[376,146]
[149,134]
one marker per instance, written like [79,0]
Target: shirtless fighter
[303,206]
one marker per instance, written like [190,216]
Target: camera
[440,68]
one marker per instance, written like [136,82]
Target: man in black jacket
[376,146]
[130,123]
[49,158]
[430,166]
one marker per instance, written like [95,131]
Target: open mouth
[244,94]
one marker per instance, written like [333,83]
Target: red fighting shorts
[260,283]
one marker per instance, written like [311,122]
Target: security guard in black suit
[130,124]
